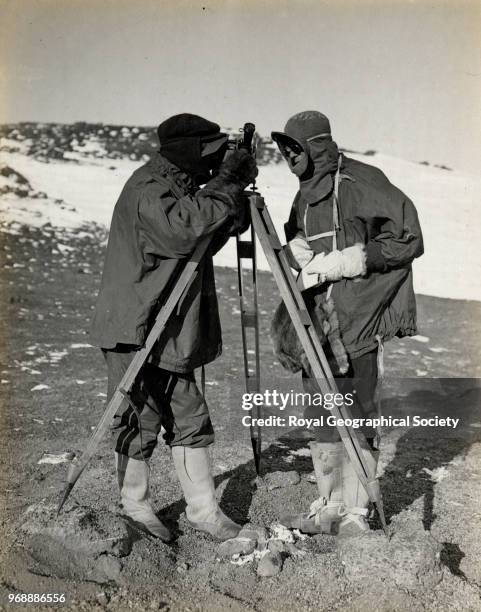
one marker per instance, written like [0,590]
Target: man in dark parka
[190,189]
[352,235]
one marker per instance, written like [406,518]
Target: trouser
[361,381]
[161,399]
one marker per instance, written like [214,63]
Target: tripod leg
[250,320]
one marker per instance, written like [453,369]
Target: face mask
[299,167]
[317,181]
[293,153]
[213,150]
[196,156]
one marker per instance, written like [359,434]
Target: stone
[258,534]
[280,532]
[79,544]
[410,558]
[277,480]
[236,546]
[102,598]
[269,565]
[278,546]
[79,529]
[293,551]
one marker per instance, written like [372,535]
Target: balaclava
[309,134]
[193,144]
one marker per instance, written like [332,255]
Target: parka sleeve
[294,225]
[398,240]
[172,227]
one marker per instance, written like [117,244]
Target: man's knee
[191,424]
[130,444]
[195,431]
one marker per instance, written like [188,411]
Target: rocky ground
[53,392]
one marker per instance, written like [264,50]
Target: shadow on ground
[406,478]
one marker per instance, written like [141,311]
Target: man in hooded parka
[352,236]
[165,209]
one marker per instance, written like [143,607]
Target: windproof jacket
[157,223]
[376,213]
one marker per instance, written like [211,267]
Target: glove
[348,263]
[238,170]
[298,252]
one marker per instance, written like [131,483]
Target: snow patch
[39,388]
[438,474]
[56,356]
[52,459]
[300,452]
[419,338]
[86,191]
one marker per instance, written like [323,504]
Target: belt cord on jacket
[202,380]
[380,380]
[335,214]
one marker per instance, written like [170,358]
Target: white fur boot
[356,500]
[203,513]
[325,512]
[133,477]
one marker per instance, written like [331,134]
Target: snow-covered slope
[448,204]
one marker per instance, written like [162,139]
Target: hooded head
[312,155]
[193,144]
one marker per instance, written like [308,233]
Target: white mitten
[353,261]
[298,252]
[348,263]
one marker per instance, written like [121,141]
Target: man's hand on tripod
[238,168]
[237,171]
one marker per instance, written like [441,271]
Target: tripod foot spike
[257,455]
[65,495]
[382,518]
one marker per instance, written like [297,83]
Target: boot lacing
[348,515]
[354,515]
[320,506]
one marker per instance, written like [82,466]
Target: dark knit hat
[185,125]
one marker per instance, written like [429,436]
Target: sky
[401,77]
